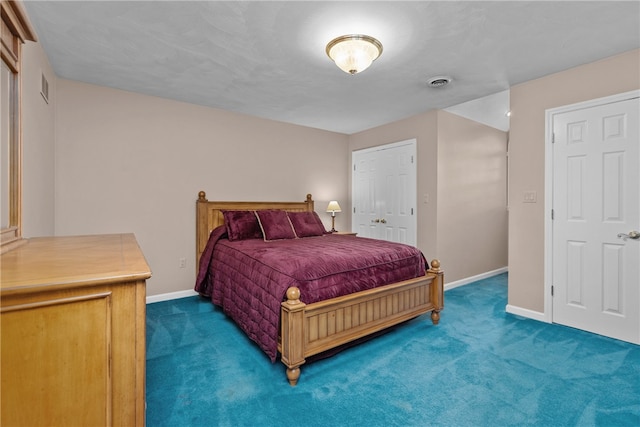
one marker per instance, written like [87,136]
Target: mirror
[15,31]
[5,113]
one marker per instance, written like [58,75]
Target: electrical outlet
[183,262]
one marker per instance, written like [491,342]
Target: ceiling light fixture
[354,53]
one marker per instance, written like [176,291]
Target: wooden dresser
[73,332]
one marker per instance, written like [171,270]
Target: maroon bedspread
[249,278]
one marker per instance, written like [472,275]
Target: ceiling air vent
[439,81]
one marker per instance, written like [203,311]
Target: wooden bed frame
[309,329]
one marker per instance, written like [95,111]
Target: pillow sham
[241,225]
[275,225]
[306,224]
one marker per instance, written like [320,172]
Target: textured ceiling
[267,58]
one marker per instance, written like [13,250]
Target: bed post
[292,334]
[202,226]
[309,202]
[437,290]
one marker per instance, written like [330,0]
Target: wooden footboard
[308,329]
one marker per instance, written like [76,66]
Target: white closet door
[384,192]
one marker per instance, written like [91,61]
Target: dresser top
[72,261]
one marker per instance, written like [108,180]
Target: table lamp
[333,208]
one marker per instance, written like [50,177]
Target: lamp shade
[333,207]
[354,53]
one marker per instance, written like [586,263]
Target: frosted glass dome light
[354,53]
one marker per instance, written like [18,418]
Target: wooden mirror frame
[16,30]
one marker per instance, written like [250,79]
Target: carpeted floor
[479,367]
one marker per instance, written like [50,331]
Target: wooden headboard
[209,215]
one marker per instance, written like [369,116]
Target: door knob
[375,220]
[384,221]
[632,235]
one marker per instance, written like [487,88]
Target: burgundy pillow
[306,224]
[275,225]
[242,225]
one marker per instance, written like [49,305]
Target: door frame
[548,185]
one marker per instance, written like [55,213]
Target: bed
[295,310]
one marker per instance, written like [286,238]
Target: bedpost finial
[202,196]
[293,295]
[435,264]
[309,199]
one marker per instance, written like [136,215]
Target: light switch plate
[530,197]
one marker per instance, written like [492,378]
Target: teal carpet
[479,367]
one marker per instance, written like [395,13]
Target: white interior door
[365,194]
[596,198]
[384,192]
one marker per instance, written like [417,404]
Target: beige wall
[529,101]
[472,197]
[424,129]
[127,162]
[38,143]
[462,172]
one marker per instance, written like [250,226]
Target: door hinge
[411,211]
[354,209]
[354,167]
[553,214]
[411,158]
[553,138]
[551,290]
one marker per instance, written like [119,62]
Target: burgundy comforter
[249,278]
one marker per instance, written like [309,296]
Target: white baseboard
[170,296]
[525,312]
[475,278]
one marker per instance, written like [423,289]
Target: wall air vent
[439,81]
[44,89]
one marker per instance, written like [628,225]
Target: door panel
[596,196]
[365,198]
